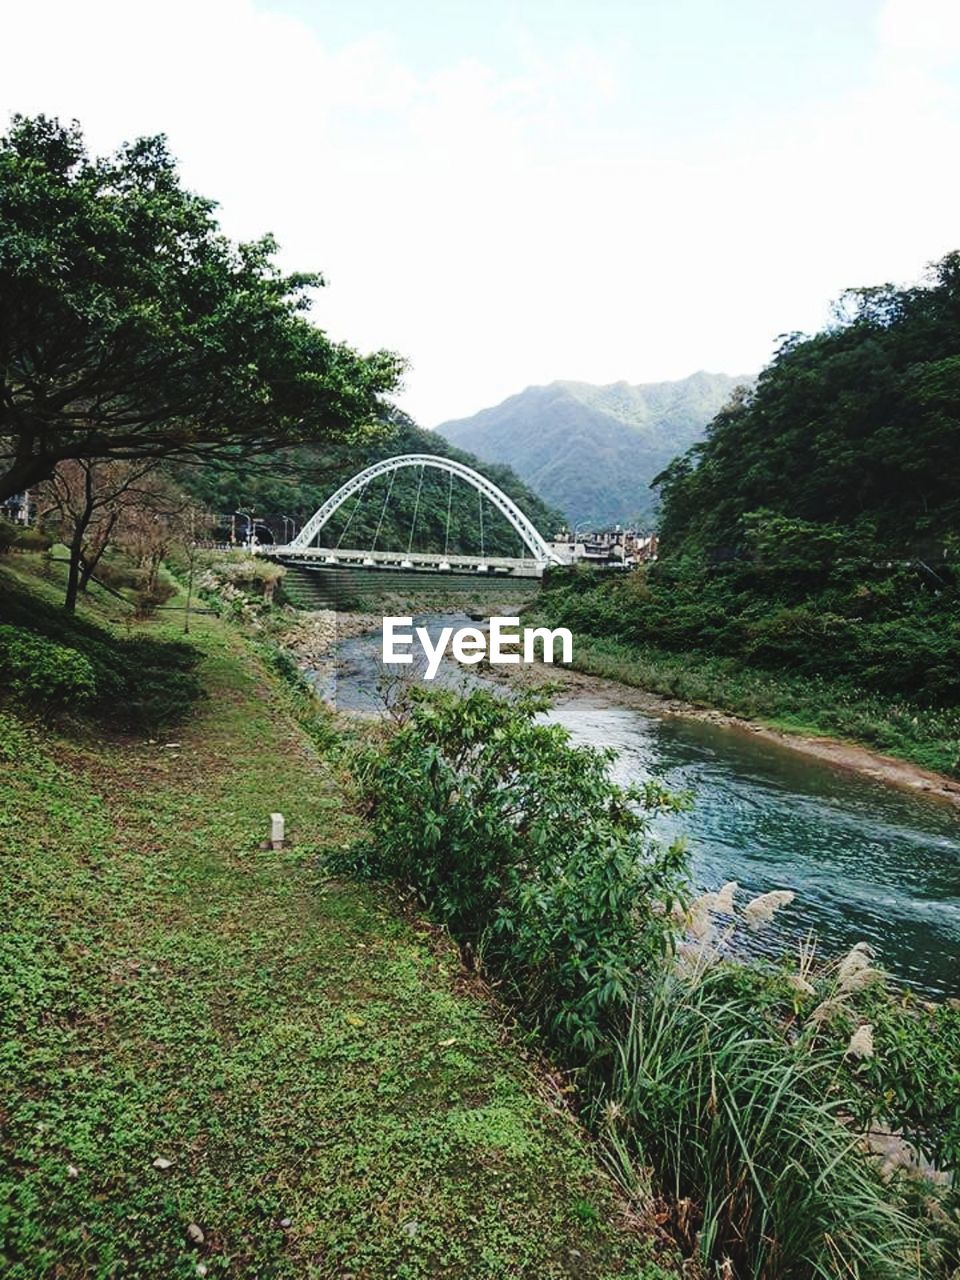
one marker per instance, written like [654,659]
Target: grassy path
[329,1100]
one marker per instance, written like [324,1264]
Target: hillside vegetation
[590,450]
[813,536]
[297,481]
[219,1059]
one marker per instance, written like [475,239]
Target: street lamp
[248,516]
[584,525]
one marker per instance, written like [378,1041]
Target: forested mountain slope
[593,450]
[296,482]
[815,532]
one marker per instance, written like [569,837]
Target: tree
[93,504]
[167,518]
[856,427]
[131,328]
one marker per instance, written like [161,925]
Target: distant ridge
[593,450]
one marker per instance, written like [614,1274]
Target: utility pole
[192,561]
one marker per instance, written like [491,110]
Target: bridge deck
[425,561]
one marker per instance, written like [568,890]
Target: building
[617,547]
[18,507]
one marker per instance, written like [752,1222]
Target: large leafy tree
[132,328]
[857,427]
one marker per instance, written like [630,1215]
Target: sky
[511,192]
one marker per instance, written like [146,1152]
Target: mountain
[592,451]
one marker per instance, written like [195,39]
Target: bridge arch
[525,527]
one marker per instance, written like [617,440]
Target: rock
[195,1234]
[73,1171]
[162,1162]
[285,1223]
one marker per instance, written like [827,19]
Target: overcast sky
[509,193]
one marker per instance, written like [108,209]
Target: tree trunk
[81,521]
[89,563]
[73,574]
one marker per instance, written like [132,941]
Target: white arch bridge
[308,546]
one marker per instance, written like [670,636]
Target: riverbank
[615,680]
[607,673]
[218,1057]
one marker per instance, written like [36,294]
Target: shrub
[42,671]
[747,1128]
[140,682]
[727,1079]
[151,597]
[525,848]
[33,539]
[912,1081]
[8,536]
[120,576]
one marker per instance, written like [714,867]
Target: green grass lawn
[219,1060]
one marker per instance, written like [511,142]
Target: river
[866,861]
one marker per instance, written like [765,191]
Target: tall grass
[745,1132]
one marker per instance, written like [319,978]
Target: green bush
[739,1085]
[33,539]
[524,847]
[746,1129]
[18,537]
[8,536]
[140,682]
[875,627]
[42,671]
[153,596]
[912,1081]
[120,576]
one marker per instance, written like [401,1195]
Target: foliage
[812,535]
[880,628]
[857,427]
[306,1058]
[131,327]
[33,539]
[153,595]
[741,1089]
[18,537]
[297,482]
[523,846]
[747,1128]
[42,671]
[136,682]
[906,1072]
[912,1081]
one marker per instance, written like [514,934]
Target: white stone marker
[276,830]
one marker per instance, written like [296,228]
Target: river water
[866,861]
